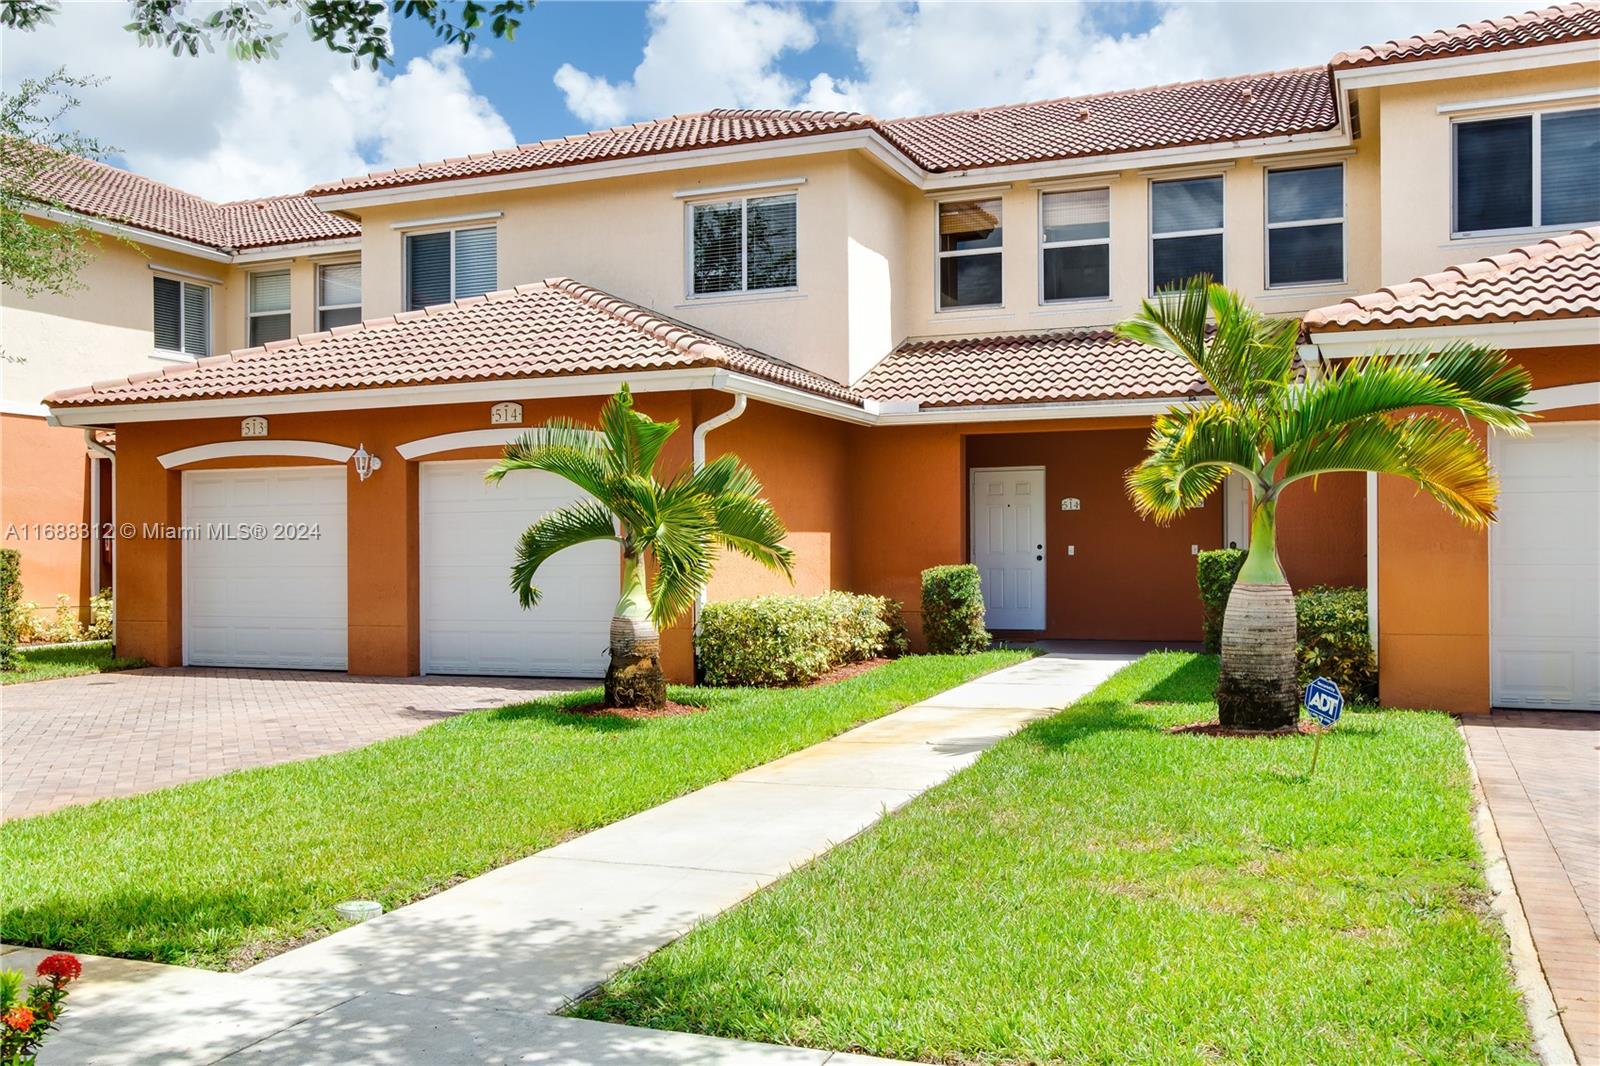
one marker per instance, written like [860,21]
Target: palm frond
[562,447]
[725,473]
[1251,354]
[1191,451]
[1175,321]
[565,527]
[683,545]
[749,526]
[1443,457]
[635,438]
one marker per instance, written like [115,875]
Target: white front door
[472,622]
[1008,544]
[264,578]
[1544,567]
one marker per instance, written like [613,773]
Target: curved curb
[1544,1017]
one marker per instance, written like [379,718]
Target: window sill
[761,297]
[1067,307]
[1516,236]
[173,357]
[1314,290]
[980,311]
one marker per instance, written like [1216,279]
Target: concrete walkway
[472,974]
[79,739]
[1540,772]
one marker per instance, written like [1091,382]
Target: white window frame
[744,244]
[1045,245]
[1537,117]
[249,295]
[1150,209]
[405,263]
[1344,226]
[317,282]
[940,255]
[183,314]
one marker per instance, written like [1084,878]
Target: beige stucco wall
[1416,181]
[233,310]
[626,235]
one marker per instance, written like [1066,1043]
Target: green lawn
[219,872]
[41,664]
[1095,890]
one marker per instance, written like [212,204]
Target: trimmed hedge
[1215,572]
[792,640]
[952,610]
[1334,642]
[10,597]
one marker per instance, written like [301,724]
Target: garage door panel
[270,601]
[472,622]
[1545,566]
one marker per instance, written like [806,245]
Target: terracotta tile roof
[1166,116]
[1034,368]
[1551,25]
[551,328]
[1201,112]
[1559,277]
[104,191]
[705,129]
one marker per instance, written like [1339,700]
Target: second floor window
[1076,232]
[1305,225]
[1185,231]
[970,235]
[269,307]
[182,317]
[449,265]
[743,245]
[338,295]
[1527,171]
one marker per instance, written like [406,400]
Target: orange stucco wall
[44,482]
[1322,531]
[1433,575]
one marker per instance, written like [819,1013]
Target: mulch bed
[847,671]
[670,710]
[1305,728]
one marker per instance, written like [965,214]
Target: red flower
[60,968]
[19,1018]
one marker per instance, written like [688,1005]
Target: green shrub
[1215,572]
[101,617]
[791,640]
[897,641]
[952,610]
[10,602]
[1334,641]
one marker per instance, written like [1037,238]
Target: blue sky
[229,130]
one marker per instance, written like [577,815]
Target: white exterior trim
[446,220]
[1473,106]
[1515,59]
[1559,396]
[132,233]
[233,449]
[1545,333]
[498,437]
[745,186]
[207,279]
[24,410]
[270,252]
[1372,562]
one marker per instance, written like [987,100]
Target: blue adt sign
[1324,701]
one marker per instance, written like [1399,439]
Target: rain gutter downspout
[740,401]
[100,451]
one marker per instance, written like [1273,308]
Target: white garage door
[276,599]
[1544,562]
[471,620]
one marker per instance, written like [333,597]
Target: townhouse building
[902,325]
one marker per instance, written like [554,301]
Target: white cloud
[936,56]
[228,130]
[698,56]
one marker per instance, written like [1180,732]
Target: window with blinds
[338,295]
[1305,225]
[450,265]
[970,238]
[744,245]
[182,317]
[1075,242]
[269,307]
[1185,231]
[1527,172]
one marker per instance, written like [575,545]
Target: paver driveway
[85,738]
[1541,775]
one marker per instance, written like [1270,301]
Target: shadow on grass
[1191,680]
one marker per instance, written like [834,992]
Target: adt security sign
[1324,701]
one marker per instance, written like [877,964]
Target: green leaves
[635,440]
[579,523]
[1190,452]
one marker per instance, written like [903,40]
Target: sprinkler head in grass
[358,910]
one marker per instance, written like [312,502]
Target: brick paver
[1541,774]
[86,738]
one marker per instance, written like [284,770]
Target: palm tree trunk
[1258,688]
[634,677]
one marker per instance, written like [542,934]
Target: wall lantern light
[366,462]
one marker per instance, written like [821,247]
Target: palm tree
[1272,428]
[675,529]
